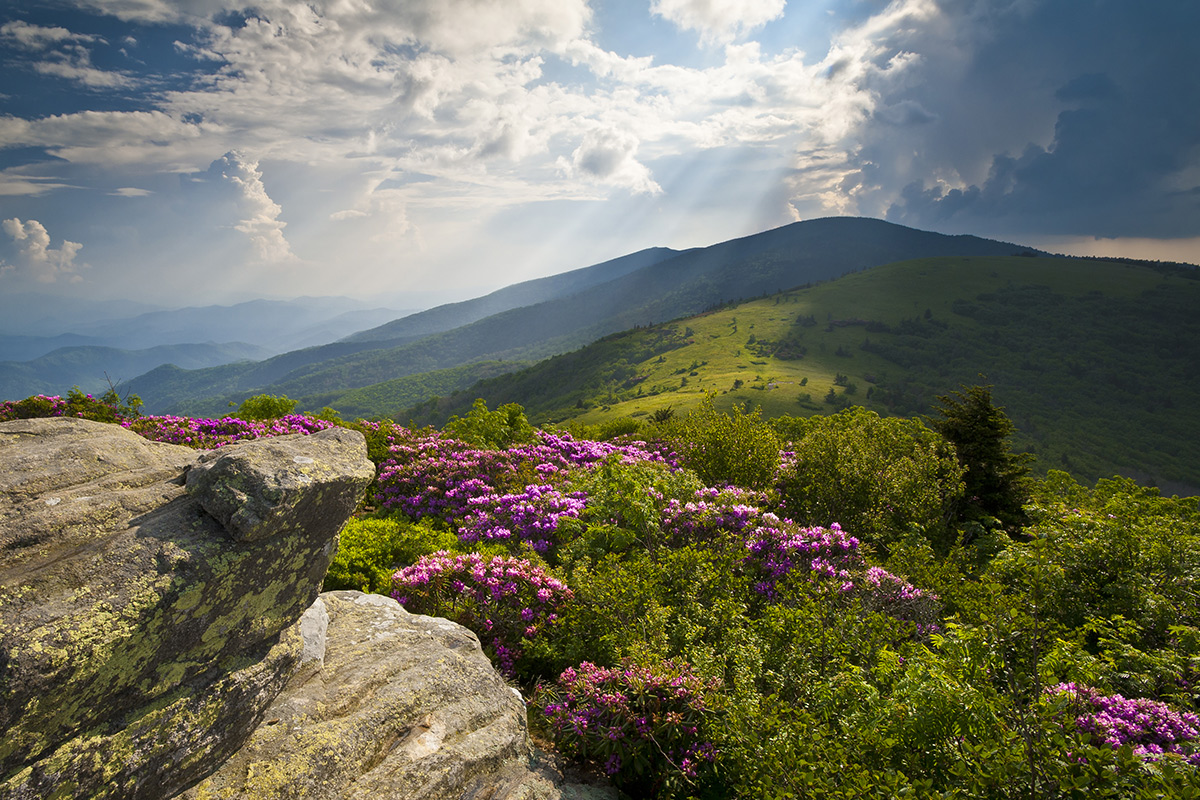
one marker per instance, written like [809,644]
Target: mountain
[122,346]
[1094,361]
[683,283]
[277,325]
[91,368]
[454,315]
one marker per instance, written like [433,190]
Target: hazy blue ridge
[92,368]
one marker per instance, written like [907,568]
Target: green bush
[504,427]
[370,550]
[265,406]
[880,478]
[737,448]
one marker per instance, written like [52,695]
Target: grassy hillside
[1095,361]
[802,253]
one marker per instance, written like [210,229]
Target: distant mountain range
[103,345]
[538,319]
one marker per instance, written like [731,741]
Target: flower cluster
[530,515]
[434,476]
[206,434]
[779,548]
[710,512]
[563,451]
[880,590]
[631,719]
[1149,727]
[506,601]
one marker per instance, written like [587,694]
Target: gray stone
[276,485]
[140,640]
[403,706]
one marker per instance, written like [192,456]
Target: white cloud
[608,156]
[130,191]
[719,20]
[63,54]
[35,258]
[39,37]
[259,213]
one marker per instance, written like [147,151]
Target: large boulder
[148,617]
[389,706]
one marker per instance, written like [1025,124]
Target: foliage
[507,601]
[879,477]
[996,482]
[205,434]
[370,550]
[265,406]
[737,448]
[109,407]
[645,725]
[504,427]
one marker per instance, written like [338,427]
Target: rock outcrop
[390,705]
[145,624]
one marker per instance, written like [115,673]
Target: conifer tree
[997,480]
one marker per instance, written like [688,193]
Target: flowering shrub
[109,407]
[640,723]
[531,515]
[432,476]
[880,590]
[781,549]
[506,601]
[709,512]
[1149,727]
[563,451]
[206,434]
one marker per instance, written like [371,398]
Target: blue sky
[416,151]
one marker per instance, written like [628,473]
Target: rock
[402,707]
[140,638]
[278,485]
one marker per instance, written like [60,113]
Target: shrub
[206,434]
[646,726]
[531,515]
[370,550]
[879,477]
[737,448]
[506,601]
[265,406]
[504,427]
[1151,728]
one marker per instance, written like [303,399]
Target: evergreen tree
[997,480]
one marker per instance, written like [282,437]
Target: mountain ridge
[683,283]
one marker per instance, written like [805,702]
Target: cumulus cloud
[1029,118]
[259,214]
[719,20]
[610,156]
[35,258]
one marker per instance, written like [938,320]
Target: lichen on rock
[141,638]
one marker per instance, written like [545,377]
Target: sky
[416,151]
